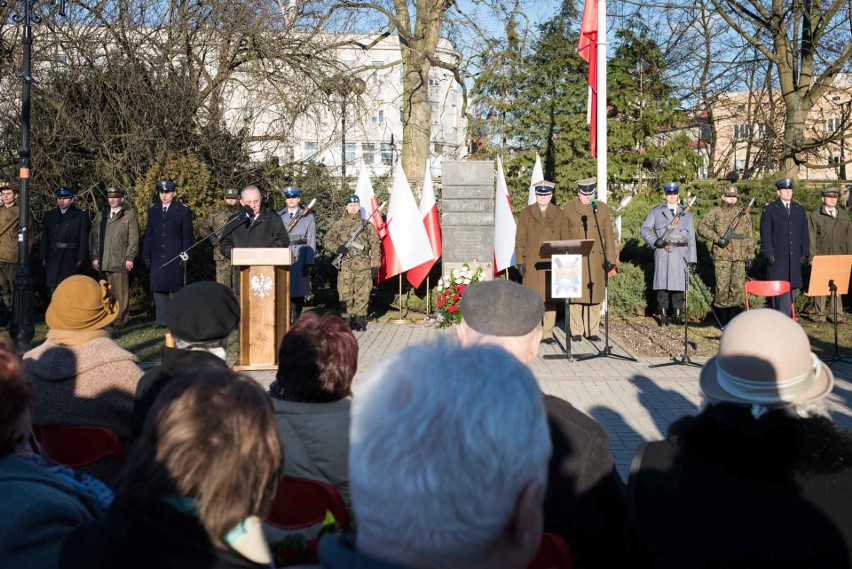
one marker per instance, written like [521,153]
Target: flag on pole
[406,243]
[429,214]
[504,224]
[369,204]
[537,176]
[588,49]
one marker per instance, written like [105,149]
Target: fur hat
[501,308]
[203,312]
[765,358]
[81,303]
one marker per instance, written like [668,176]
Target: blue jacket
[165,237]
[786,239]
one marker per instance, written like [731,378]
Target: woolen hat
[81,303]
[292,192]
[784,184]
[830,192]
[730,192]
[114,192]
[671,187]
[353,199]
[203,312]
[166,186]
[765,358]
[64,192]
[588,186]
[232,193]
[501,308]
[543,188]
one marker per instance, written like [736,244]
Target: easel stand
[684,360]
[830,277]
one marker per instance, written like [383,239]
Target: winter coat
[785,238]
[534,228]
[669,265]
[121,243]
[829,235]
[166,236]
[37,512]
[727,490]
[593,273]
[315,437]
[64,243]
[303,245]
[714,225]
[266,230]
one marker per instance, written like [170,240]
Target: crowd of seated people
[446,455]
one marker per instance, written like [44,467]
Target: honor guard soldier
[168,233]
[586,218]
[830,234]
[359,265]
[302,229]
[539,222]
[732,251]
[785,241]
[670,230]
[216,220]
[113,247]
[65,239]
[9,213]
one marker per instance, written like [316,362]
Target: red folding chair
[77,446]
[552,554]
[301,503]
[770,288]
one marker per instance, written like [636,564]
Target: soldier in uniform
[8,248]
[731,257]
[216,220]
[785,241]
[583,221]
[167,234]
[672,254]
[303,244]
[539,222]
[830,234]
[65,239]
[113,247]
[359,266]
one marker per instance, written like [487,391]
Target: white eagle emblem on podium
[261,286]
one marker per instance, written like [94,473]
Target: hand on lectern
[805,260]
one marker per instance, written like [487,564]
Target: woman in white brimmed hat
[761,477]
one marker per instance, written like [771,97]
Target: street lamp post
[22,326]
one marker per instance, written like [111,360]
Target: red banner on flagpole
[588,50]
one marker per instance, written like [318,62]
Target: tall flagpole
[601,103]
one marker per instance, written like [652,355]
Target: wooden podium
[264,304]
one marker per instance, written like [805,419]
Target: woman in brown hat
[81,376]
[762,477]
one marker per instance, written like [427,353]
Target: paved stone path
[632,401]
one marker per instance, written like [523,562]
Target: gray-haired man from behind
[585,501]
[447,463]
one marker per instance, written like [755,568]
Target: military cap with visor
[543,188]
[64,192]
[588,186]
[292,192]
[671,188]
[830,193]
[784,184]
[166,186]
[114,192]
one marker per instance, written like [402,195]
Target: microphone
[594,203]
[248,211]
[584,219]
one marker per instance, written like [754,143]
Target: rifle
[302,213]
[725,241]
[661,240]
[354,235]
[8,226]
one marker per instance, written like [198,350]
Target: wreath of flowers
[450,291]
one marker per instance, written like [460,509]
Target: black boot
[664,317]
[362,323]
[676,319]
[352,322]
[722,314]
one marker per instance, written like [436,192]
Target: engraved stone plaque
[467,220]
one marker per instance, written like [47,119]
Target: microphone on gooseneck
[594,203]
[248,211]
[584,219]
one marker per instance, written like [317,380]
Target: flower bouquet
[449,293]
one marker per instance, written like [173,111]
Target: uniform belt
[65,245]
[299,242]
[678,244]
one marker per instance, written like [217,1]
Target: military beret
[202,312]
[64,192]
[353,199]
[114,192]
[784,184]
[292,192]
[166,186]
[543,188]
[730,192]
[501,308]
[232,193]
[588,186]
[830,193]
[671,187]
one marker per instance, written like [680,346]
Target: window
[387,154]
[704,133]
[739,165]
[368,152]
[741,131]
[310,151]
[349,152]
[763,130]
[401,115]
[834,159]
[379,117]
[832,124]
[248,113]
[376,78]
[835,98]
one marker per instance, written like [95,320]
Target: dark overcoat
[165,237]
[785,237]
[265,231]
[534,228]
[64,243]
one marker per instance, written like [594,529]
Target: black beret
[203,312]
[501,308]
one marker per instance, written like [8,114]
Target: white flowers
[462,275]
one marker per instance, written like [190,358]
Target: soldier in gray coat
[303,245]
[671,254]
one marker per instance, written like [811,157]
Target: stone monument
[467,219]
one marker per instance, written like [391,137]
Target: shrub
[627,294]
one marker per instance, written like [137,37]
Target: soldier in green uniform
[731,258]
[215,220]
[359,266]
[8,248]
[831,234]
